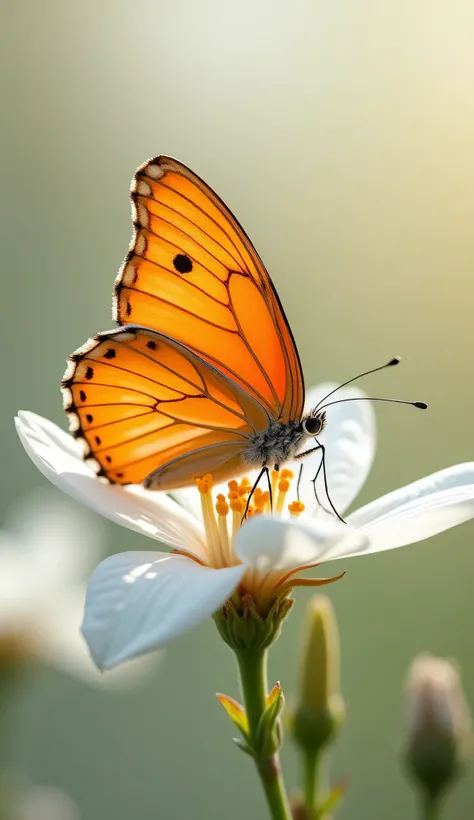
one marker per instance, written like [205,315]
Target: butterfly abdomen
[275,445]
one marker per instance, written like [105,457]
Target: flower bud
[438,723]
[320,709]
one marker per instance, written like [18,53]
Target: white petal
[419,510]
[138,601]
[153,514]
[59,642]
[268,543]
[349,438]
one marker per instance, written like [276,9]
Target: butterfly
[203,375]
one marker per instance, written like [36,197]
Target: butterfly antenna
[391,363]
[420,405]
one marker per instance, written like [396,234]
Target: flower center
[223,518]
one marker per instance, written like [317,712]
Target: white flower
[137,601]
[47,549]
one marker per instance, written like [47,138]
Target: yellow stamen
[295,508]
[283,487]
[222,509]
[237,505]
[274,476]
[204,486]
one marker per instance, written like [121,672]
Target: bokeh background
[341,134]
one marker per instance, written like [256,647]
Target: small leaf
[269,734]
[274,694]
[333,799]
[244,746]
[235,711]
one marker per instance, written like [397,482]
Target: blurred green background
[341,134]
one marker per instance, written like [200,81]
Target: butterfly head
[314,424]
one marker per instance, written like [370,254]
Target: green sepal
[242,626]
[269,733]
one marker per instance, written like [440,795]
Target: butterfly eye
[313,425]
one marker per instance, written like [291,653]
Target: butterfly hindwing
[193,274]
[143,402]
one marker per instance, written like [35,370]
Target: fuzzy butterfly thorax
[203,376]
[275,445]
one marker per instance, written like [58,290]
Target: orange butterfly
[204,377]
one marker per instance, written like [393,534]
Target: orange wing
[193,274]
[147,406]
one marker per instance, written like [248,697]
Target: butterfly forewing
[193,274]
[147,405]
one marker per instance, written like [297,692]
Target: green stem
[430,808]
[311,783]
[253,678]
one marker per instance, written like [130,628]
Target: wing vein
[198,227]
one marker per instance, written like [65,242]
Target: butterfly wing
[147,406]
[193,274]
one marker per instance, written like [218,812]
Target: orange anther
[203,484]
[233,485]
[296,508]
[237,505]
[285,473]
[284,485]
[222,507]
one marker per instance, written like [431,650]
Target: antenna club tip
[421,405]
[394,361]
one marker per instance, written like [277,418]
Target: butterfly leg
[313,481]
[307,452]
[263,471]
[325,479]
[300,474]
[269,487]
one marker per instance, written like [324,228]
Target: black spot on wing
[182,263]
